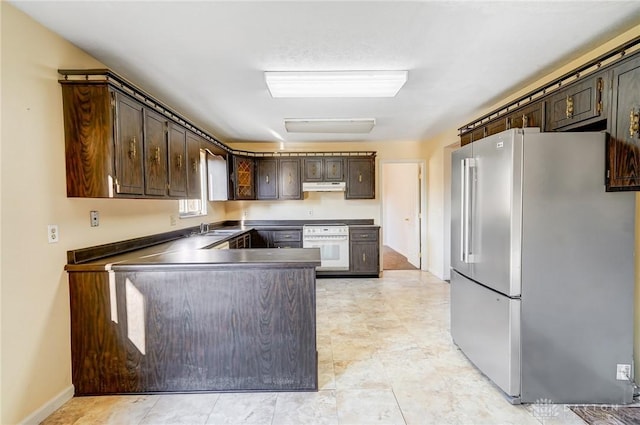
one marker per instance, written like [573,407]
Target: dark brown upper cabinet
[289,181]
[623,146]
[89,117]
[496,126]
[193,166]
[242,178]
[319,169]
[527,116]
[360,178]
[266,178]
[465,138]
[129,150]
[177,161]
[116,146]
[580,104]
[155,154]
[104,149]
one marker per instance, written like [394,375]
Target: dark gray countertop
[196,252]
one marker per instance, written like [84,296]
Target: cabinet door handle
[634,122]
[364,257]
[525,121]
[156,155]
[359,177]
[179,161]
[569,109]
[194,165]
[132,148]
[365,236]
[266,179]
[290,179]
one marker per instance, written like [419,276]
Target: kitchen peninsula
[181,316]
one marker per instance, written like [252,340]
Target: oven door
[334,253]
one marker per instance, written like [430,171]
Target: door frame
[422,204]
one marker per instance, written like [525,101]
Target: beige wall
[35,342]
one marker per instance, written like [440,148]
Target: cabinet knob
[364,257]
[266,179]
[156,155]
[179,161]
[132,148]
[569,110]
[359,177]
[194,165]
[634,122]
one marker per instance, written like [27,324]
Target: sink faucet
[204,227]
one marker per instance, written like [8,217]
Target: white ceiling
[206,58]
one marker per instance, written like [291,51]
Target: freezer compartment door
[486,326]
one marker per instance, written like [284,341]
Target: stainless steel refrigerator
[542,285]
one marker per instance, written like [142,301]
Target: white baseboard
[49,407]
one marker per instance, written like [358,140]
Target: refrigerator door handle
[465,223]
[469,165]
[463,208]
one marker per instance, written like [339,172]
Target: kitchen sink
[219,232]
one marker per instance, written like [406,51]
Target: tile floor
[385,357]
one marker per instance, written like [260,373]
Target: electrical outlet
[310,212]
[173,220]
[52,233]
[95,218]
[244,214]
[623,372]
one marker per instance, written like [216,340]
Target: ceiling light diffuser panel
[335,83]
[347,125]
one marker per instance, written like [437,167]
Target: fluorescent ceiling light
[348,125]
[335,83]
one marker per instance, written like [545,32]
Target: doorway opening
[402,217]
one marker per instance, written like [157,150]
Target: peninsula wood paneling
[213,330]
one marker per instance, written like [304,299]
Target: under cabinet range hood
[324,186]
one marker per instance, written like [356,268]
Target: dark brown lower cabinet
[241,242]
[364,251]
[220,329]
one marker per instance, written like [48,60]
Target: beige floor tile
[181,409]
[326,375]
[104,410]
[368,407]
[243,408]
[317,408]
[366,373]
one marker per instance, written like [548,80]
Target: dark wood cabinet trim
[604,61]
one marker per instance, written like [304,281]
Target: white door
[401,209]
